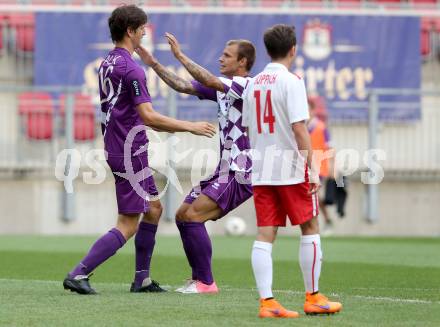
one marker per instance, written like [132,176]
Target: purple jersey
[122,86]
[234,143]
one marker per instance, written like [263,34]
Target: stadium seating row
[38,110]
[22,27]
[430,27]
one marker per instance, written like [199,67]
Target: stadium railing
[39,121]
[36,124]
[412,148]
[17,44]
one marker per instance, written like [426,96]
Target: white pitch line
[374,298]
[392,299]
[30,280]
[396,288]
[232,289]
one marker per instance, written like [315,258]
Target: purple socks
[104,248]
[144,244]
[198,250]
[186,248]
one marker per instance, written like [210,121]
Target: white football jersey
[272,102]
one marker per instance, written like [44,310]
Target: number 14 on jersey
[268,117]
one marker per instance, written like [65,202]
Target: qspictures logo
[69,163]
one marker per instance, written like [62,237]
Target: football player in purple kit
[229,186]
[126,109]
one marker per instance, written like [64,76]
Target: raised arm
[198,72]
[170,78]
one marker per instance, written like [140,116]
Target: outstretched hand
[175,46]
[146,57]
[203,129]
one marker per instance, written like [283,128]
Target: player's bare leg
[181,211]
[262,267]
[154,214]
[127,225]
[190,219]
[310,259]
[267,234]
[201,210]
[144,244]
[105,247]
[310,227]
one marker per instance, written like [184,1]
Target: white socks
[310,256]
[262,266]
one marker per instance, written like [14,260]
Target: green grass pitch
[380,281]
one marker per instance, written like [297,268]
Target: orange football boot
[319,304]
[272,309]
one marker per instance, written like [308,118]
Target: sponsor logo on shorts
[216,185]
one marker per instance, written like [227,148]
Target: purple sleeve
[137,86]
[204,93]
[238,85]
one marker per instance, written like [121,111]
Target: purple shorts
[225,190]
[133,199]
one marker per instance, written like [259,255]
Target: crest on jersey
[317,40]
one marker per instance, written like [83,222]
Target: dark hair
[279,39]
[245,50]
[123,18]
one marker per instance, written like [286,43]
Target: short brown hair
[279,39]
[123,18]
[245,50]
